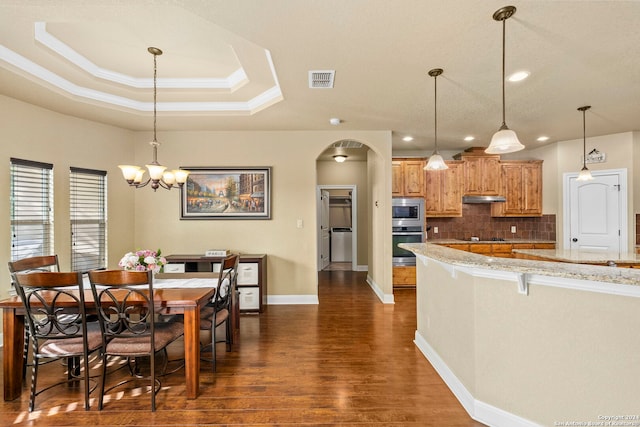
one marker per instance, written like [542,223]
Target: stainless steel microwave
[407,212]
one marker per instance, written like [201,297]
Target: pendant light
[505,140]
[585,174]
[158,177]
[436,162]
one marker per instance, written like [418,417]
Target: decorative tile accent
[477,221]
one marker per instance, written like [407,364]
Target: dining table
[183,294]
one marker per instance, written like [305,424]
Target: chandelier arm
[141,184]
[165,185]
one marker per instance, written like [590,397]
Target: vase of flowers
[143,260]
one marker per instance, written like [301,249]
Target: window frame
[31,207]
[88,226]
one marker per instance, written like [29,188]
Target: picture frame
[226,193]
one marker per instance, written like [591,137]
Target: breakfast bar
[525,342]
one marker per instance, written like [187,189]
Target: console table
[252,276]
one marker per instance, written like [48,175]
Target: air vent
[347,143]
[321,79]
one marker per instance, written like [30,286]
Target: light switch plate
[513,229]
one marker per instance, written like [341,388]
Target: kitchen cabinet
[407,177]
[498,249]
[252,276]
[443,190]
[522,187]
[404,276]
[481,174]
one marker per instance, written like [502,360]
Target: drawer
[174,268]
[249,298]
[248,273]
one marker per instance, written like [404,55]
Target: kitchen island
[526,342]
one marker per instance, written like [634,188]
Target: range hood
[483,199]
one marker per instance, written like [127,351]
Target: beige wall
[351,173]
[144,219]
[33,133]
[553,355]
[292,251]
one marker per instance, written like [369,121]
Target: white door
[595,213]
[324,230]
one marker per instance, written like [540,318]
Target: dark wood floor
[350,361]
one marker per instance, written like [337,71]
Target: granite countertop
[623,276]
[507,241]
[582,257]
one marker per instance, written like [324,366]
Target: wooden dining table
[178,298]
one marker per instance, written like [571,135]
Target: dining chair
[219,310]
[127,316]
[55,312]
[30,265]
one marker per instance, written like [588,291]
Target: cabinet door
[413,178]
[397,181]
[481,175]
[522,188]
[452,189]
[532,188]
[443,191]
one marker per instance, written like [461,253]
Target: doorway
[595,211]
[343,199]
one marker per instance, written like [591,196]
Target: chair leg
[34,381]
[213,344]
[25,353]
[102,381]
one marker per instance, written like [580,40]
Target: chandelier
[158,175]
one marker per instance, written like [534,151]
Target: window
[31,209]
[88,210]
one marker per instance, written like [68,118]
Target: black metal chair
[55,313]
[29,265]
[127,317]
[219,310]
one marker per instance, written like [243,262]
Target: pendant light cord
[584,139]
[435,112]
[504,25]
[155,111]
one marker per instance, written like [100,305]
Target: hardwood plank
[348,361]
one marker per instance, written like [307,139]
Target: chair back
[226,282]
[124,302]
[54,304]
[36,263]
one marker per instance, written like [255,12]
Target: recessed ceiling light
[335,121]
[518,76]
[407,138]
[542,138]
[469,138]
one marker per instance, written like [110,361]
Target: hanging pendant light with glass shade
[436,162]
[505,140]
[585,174]
[158,176]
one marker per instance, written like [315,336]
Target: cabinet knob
[574,239]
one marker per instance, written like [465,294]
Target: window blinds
[88,219]
[31,208]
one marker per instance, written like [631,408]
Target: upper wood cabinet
[481,175]
[407,178]
[522,188]
[443,191]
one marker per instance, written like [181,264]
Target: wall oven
[407,227]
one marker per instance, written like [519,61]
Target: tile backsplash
[477,221]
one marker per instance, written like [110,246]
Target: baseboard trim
[385,298]
[478,410]
[292,299]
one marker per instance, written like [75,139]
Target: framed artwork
[226,193]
